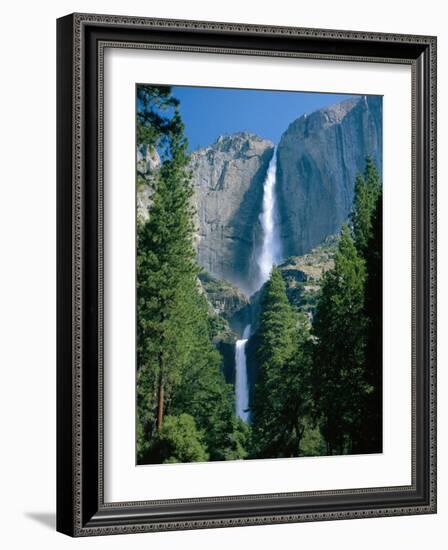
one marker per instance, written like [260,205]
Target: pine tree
[367,190]
[339,352]
[280,393]
[179,374]
[367,231]
[370,439]
[165,266]
[157,116]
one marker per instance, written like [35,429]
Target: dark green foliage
[202,390]
[312,442]
[367,190]
[165,269]
[179,440]
[281,395]
[347,358]
[339,328]
[217,326]
[181,391]
[367,230]
[371,436]
[158,117]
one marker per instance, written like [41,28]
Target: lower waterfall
[241,385]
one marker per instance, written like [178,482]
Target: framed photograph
[246,274]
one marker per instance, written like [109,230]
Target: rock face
[303,275]
[227,301]
[319,157]
[228,179]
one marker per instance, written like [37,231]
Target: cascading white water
[270,248]
[241,385]
[270,254]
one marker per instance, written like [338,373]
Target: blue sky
[210,112]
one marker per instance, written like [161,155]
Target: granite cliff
[319,156]
[228,180]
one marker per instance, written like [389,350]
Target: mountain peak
[237,143]
[327,116]
[337,111]
[241,143]
[239,136]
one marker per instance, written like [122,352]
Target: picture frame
[81,506]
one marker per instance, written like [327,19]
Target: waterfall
[269,255]
[241,385]
[270,248]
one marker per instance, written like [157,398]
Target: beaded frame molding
[81,40]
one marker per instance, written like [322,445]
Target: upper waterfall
[270,253]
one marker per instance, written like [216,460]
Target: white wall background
[27,273]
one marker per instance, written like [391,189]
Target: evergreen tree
[179,440]
[339,351]
[367,231]
[280,397]
[367,190]
[179,371]
[157,116]
[370,439]
[165,265]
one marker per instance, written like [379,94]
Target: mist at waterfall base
[268,256]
